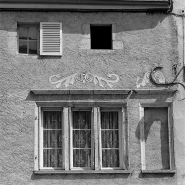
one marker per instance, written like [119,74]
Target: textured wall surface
[140,42]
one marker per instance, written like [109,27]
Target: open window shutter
[51,38]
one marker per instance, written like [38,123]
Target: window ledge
[158,171]
[37,172]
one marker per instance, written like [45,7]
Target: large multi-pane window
[81,138]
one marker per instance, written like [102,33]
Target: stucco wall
[141,40]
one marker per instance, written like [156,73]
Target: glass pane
[109,120]
[52,120]
[22,46]
[32,32]
[23,32]
[110,158]
[110,139]
[81,119]
[52,158]
[32,47]
[82,157]
[52,139]
[81,139]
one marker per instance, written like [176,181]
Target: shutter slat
[51,38]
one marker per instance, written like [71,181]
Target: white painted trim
[36,144]
[142,137]
[65,138]
[70,139]
[96,141]
[54,53]
[170,132]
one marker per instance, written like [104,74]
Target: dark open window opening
[101,36]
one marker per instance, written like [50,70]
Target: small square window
[101,36]
[28,37]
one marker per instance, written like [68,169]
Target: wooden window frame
[170,134]
[71,110]
[67,152]
[41,138]
[38,40]
[121,119]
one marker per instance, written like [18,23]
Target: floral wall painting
[144,80]
[156,75]
[85,77]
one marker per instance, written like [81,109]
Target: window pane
[110,139]
[81,139]
[110,158]
[82,158]
[52,120]
[52,139]
[52,158]
[109,120]
[32,33]
[23,32]
[82,120]
[22,46]
[32,47]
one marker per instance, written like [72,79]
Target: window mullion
[99,137]
[71,139]
[40,139]
[122,133]
[95,126]
[65,138]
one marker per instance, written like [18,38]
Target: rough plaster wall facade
[140,41]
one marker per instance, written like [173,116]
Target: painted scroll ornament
[84,78]
[143,81]
[156,75]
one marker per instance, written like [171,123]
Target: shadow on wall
[156,138]
[123,21]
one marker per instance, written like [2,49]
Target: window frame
[41,137]
[67,136]
[38,38]
[170,134]
[121,122]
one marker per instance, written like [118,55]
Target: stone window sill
[158,171]
[44,172]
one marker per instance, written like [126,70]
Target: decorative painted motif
[143,81]
[84,78]
[158,76]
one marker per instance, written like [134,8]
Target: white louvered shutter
[51,38]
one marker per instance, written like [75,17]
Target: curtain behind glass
[52,139]
[110,139]
[81,139]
